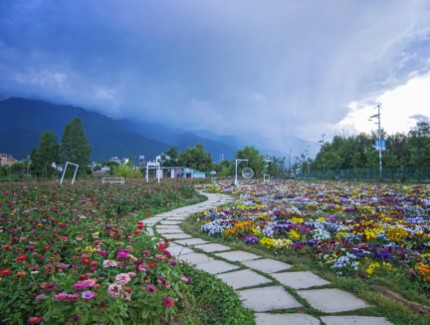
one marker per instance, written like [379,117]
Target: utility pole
[379,146]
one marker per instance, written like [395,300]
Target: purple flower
[89,295]
[251,240]
[151,288]
[122,254]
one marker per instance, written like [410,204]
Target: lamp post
[238,161]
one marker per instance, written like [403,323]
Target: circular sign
[247,173]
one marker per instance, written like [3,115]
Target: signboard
[380,145]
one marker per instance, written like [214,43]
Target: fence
[389,174]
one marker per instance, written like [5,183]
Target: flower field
[79,255]
[364,230]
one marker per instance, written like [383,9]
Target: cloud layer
[246,66]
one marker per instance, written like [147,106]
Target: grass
[382,306]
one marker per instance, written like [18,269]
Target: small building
[6,160]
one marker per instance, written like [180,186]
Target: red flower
[47,247]
[152,265]
[21,258]
[5,272]
[140,225]
[85,261]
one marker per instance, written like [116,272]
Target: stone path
[264,284]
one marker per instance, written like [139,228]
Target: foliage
[196,157]
[255,160]
[44,155]
[219,302]
[74,145]
[126,170]
[411,150]
[76,254]
[170,158]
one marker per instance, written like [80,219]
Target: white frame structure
[154,165]
[238,161]
[64,171]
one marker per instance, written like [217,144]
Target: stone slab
[191,241]
[283,319]
[149,231]
[332,300]
[178,250]
[268,298]
[168,222]
[170,231]
[300,280]
[209,248]
[238,256]
[168,227]
[243,279]
[177,236]
[196,258]
[267,265]
[217,267]
[354,320]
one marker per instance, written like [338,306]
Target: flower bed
[364,229]
[76,254]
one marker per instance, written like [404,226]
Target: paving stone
[178,250]
[177,236]
[300,280]
[168,227]
[168,222]
[191,241]
[170,231]
[354,320]
[238,256]
[243,278]
[196,258]
[267,265]
[283,319]
[217,266]
[149,231]
[332,300]
[268,298]
[209,248]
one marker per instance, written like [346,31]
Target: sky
[273,67]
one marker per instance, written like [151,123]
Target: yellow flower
[297,220]
[396,234]
[267,242]
[320,219]
[293,234]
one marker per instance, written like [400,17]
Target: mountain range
[23,120]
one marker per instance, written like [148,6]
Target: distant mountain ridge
[23,120]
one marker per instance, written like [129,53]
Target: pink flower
[114,290]
[168,302]
[142,268]
[34,320]
[123,278]
[163,282]
[89,295]
[109,263]
[185,279]
[63,296]
[151,288]
[146,252]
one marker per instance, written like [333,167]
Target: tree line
[402,150]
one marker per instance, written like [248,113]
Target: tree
[46,153]
[74,145]
[170,158]
[255,160]
[197,158]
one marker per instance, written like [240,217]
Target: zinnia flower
[114,290]
[89,295]
[151,288]
[168,302]
[34,320]
[123,278]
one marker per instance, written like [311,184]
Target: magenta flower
[122,254]
[34,320]
[168,302]
[63,296]
[151,288]
[89,295]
